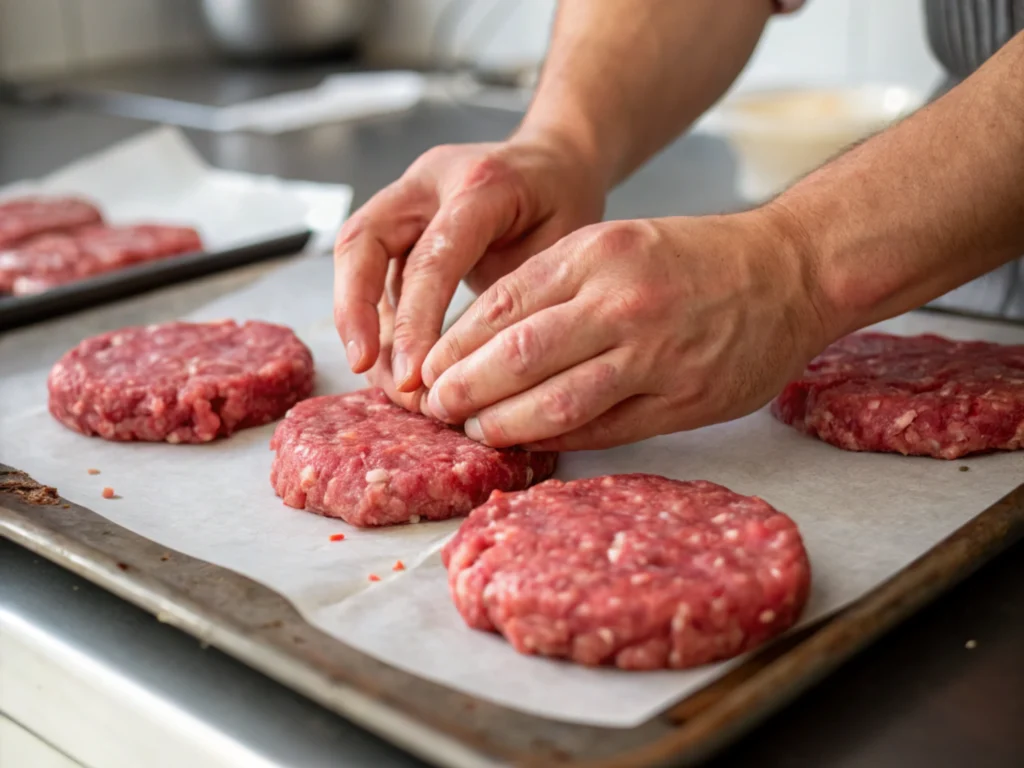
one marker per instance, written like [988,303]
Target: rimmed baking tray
[64,299]
[260,628]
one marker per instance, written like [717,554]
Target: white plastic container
[781,134]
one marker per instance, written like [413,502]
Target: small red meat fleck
[93,471]
[108,492]
[398,566]
[337,537]
[374,577]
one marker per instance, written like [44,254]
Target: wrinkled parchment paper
[863,517]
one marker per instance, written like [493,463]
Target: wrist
[577,139]
[799,262]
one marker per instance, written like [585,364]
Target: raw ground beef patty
[637,571]
[180,382]
[915,395]
[370,462]
[53,259]
[25,217]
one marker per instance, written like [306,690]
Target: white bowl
[781,134]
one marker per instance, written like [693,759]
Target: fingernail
[400,368]
[473,431]
[354,352]
[436,408]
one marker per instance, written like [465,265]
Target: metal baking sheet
[16,311]
[260,628]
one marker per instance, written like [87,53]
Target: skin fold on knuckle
[456,395]
[561,408]
[521,349]
[499,305]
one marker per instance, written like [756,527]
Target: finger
[380,374]
[386,227]
[455,240]
[634,419]
[518,358]
[548,279]
[559,405]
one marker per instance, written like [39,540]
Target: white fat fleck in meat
[615,550]
[461,470]
[413,519]
[307,478]
[904,421]
[767,616]
[607,636]
[680,617]
[377,476]
[529,475]
[718,605]
[874,405]
[639,579]
[664,515]
[720,519]
[732,534]
[173,438]
[718,562]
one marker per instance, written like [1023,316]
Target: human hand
[625,330]
[473,212]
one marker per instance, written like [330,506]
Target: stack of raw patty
[46,242]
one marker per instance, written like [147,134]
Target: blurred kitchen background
[280,66]
[836,41]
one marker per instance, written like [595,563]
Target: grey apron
[962,35]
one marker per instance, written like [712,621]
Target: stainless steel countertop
[918,697]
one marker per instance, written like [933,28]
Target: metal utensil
[284,28]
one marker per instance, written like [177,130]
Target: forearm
[921,208]
[624,77]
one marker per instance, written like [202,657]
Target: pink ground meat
[25,217]
[367,461]
[636,571]
[180,382]
[915,395]
[54,259]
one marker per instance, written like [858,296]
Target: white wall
[830,40]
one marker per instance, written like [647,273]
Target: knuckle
[450,352]
[522,349]
[624,237]
[456,394]
[432,156]
[499,304]
[429,256]
[488,170]
[624,303]
[353,228]
[561,407]
[406,333]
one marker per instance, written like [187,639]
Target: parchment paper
[158,176]
[863,517]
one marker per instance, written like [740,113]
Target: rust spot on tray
[27,489]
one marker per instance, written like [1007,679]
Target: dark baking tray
[16,311]
[259,627]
